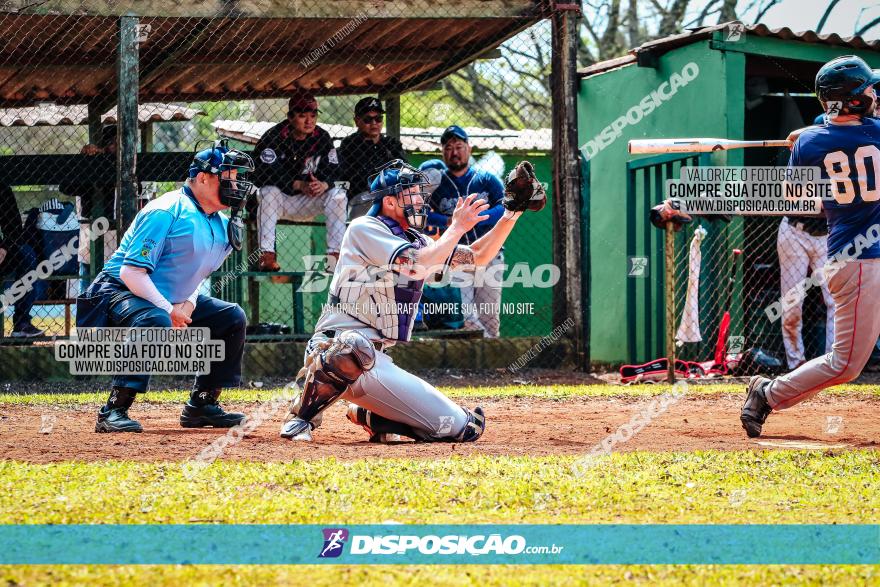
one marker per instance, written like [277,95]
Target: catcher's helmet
[397,178]
[220,158]
[844,80]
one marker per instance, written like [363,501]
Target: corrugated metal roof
[72,58]
[54,115]
[665,44]
[415,140]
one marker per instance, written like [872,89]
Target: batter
[847,149]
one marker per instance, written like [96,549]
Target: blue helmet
[398,178]
[218,159]
[840,84]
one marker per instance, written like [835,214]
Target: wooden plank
[273,8]
[568,302]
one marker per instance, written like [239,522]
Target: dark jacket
[10,218]
[359,158]
[279,159]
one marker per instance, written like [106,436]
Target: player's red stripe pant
[855,289]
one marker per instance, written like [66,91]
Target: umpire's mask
[218,160]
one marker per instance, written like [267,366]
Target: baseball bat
[697,145]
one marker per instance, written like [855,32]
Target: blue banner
[440,544]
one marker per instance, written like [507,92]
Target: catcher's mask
[397,178]
[217,160]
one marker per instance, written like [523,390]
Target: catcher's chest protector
[387,303]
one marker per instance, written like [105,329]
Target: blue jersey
[850,156]
[451,188]
[176,242]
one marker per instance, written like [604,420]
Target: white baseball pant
[275,205]
[483,300]
[395,394]
[798,251]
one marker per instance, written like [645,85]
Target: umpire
[152,280]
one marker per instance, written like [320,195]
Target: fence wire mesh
[738,322]
[320,102]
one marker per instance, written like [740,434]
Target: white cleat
[297,429]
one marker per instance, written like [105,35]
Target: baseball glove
[669,211]
[523,191]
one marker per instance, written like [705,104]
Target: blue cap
[453,131]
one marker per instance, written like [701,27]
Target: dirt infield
[515,427]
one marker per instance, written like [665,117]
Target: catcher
[374,295]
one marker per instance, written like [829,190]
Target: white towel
[689,329]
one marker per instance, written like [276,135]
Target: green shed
[730,81]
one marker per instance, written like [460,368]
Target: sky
[800,15]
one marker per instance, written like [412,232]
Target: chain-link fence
[739,307]
[321,97]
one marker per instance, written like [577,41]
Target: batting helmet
[397,178]
[840,84]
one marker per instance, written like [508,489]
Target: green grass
[706,487]
[55,394]
[637,487]
[478,576]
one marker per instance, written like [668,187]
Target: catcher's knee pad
[335,364]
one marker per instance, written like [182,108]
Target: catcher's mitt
[523,191]
[669,211]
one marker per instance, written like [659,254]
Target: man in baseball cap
[458,180]
[302,102]
[362,153]
[296,170]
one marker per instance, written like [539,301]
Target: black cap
[368,104]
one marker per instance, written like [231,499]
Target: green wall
[696,109]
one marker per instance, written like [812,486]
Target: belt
[377,344]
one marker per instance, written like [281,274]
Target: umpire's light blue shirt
[176,242]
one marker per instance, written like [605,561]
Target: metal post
[567,302]
[127,143]
[392,117]
[669,269]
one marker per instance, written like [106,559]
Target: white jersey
[365,294]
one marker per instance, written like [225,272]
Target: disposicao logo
[334,540]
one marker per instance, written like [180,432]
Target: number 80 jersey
[848,155]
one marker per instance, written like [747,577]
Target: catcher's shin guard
[329,371]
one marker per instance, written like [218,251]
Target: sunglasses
[372,119]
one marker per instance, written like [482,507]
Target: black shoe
[756,409]
[27,331]
[116,420]
[209,415]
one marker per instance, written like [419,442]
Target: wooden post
[96,209]
[669,269]
[392,117]
[127,116]
[568,301]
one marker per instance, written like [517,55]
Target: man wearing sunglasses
[296,167]
[363,152]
